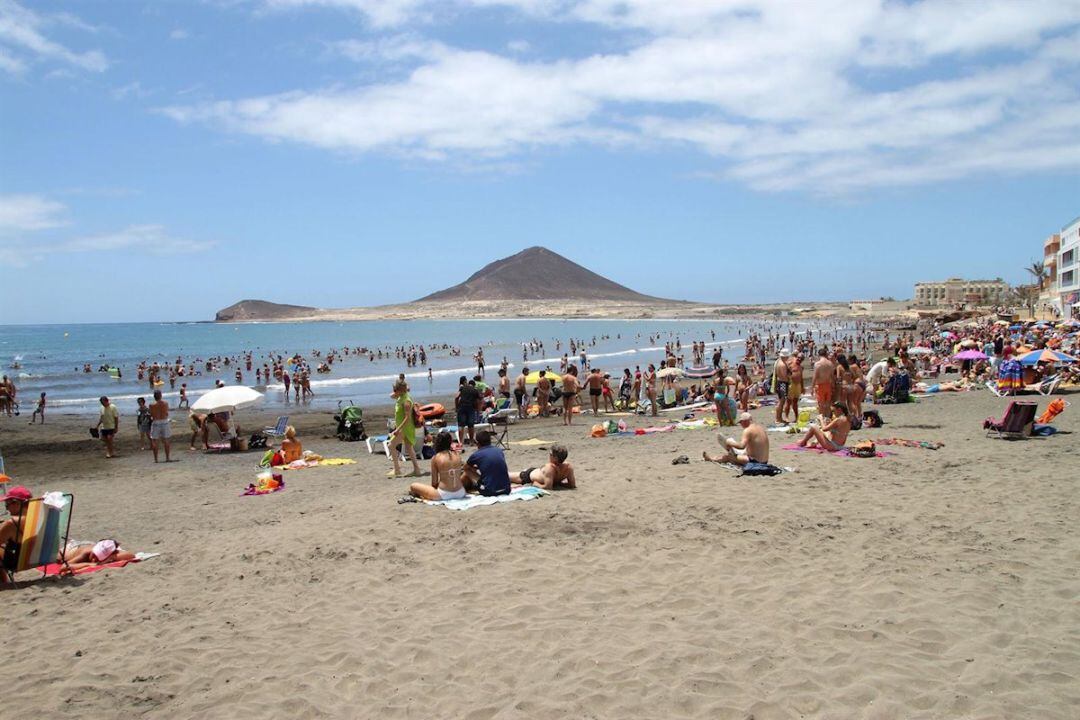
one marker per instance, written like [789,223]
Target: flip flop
[681,460]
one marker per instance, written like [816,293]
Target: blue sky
[161,160]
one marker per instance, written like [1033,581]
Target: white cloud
[23,218]
[831,96]
[179,34]
[29,213]
[151,239]
[21,35]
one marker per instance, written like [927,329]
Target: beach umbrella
[534,377]
[969,355]
[227,399]
[920,350]
[948,335]
[1045,355]
[669,372]
[700,373]
[969,343]
[1001,322]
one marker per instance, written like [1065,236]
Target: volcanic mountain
[537,274]
[248,310]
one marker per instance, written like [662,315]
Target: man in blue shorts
[467,404]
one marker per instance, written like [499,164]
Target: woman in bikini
[845,380]
[648,379]
[445,473]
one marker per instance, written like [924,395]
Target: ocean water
[52,356]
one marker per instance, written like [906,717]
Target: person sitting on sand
[100,553]
[485,470]
[219,419]
[752,447]
[557,474]
[446,473]
[725,405]
[833,435]
[195,422]
[291,448]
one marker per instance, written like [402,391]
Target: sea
[51,358]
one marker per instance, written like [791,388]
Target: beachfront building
[1068,269]
[956,291]
[1048,292]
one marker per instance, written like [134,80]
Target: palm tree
[1038,271]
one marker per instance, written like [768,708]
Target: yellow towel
[531,441]
[337,461]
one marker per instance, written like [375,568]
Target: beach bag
[872,419]
[756,468]
[856,422]
[864,449]
[598,431]
[258,440]
[417,418]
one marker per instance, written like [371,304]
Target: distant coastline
[246,311]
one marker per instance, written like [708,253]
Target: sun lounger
[42,536]
[1015,424]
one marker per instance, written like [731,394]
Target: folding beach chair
[42,536]
[1015,424]
[279,429]
[1048,386]
[500,422]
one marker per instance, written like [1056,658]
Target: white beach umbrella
[920,350]
[669,372]
[229,398]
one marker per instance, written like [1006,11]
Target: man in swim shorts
[824,376]
[557,474]
[753,447]
[570,390]
[520,394]
[485,470]
[596,389]
[467,404]
[159,425]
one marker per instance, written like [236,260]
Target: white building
[957,291]
[1068,269]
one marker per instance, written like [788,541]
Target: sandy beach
[924,584]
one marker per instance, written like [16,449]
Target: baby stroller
[350,420]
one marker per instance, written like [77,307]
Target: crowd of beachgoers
[821,384]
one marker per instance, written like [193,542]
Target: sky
[161,160]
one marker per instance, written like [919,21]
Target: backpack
[872,419]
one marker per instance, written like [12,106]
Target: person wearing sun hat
[15,500]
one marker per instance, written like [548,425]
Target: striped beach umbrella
[1045,355]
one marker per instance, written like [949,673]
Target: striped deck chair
[42,536]
[279,429]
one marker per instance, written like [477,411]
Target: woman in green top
[404,429]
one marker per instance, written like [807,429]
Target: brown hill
[247,310]
[537,274]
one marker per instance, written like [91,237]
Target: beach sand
[927,584]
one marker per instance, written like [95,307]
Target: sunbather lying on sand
[102,552]
[833,435]
[753,447]
[556,474]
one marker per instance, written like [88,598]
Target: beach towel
[264,486]
[1055,408]
[846,452]
[532,442]
[304,464]
[924,444]
[55,568]
[527,492]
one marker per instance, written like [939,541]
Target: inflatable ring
[431,410]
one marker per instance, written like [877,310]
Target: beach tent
[534,377]
[970,355]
